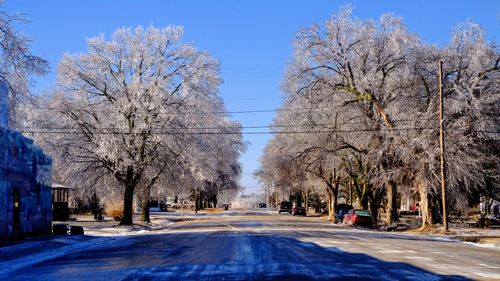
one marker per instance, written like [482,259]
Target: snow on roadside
[137,229]
[482,245]
[74,245]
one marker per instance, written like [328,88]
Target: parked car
[358,217]
[299,211]
[183,205]
[495,219]
[339,215]
[262,205]
[342,209]
[285,207]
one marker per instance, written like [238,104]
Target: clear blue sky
[252,39]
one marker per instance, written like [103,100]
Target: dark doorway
[17,214]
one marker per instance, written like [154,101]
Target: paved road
[265,248]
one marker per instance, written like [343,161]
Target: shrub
[114,209]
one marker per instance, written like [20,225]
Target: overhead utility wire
[190,113]
[325,125]
[296,109]
[248,133]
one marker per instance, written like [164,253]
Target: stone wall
[26,171]
[25,174]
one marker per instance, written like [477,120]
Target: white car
[183,205]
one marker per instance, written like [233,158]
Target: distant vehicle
[185,205]
[285,207]
[358,217]
[495,219]
[156,206]
[299,211]
[262,205]
[342,209]
[339,215]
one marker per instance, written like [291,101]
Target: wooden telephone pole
[441,145]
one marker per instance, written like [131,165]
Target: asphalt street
[267,247]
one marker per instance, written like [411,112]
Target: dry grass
[213,210]
[430,229]
[114,209]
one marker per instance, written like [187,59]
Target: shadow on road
[221,256]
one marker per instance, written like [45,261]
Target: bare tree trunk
[298,198]
[362,193]
[392,208]
[195,201]
[424,206]
[144,200]
[130,181]
[375,199]
[333,190]
[276,199]
[335,202]
[331,214]
[306,200]
[335,194]
[145,217]
[128,200]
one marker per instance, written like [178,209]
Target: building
[25,181]
[60,199]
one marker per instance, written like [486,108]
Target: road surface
[257,246]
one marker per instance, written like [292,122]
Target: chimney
[4,104]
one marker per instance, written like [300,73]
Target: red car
[299,211]
[358,217]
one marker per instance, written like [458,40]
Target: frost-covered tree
[361,104]
[125,105]
[17,63]
[472,102]
[347,76]
[215,147]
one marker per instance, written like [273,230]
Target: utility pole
[350,193]
[441,145]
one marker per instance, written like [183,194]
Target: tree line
[360,113]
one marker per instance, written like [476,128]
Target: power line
[211,133]
[254,99]
[324,125]
[262,111]
[181,113]
[249,76]
[248,133]
[296,109]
